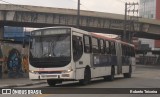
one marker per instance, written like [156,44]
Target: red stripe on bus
[110,39]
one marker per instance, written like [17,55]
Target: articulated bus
[60,54]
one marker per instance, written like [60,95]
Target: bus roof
[51,27]
[104,37]
[85,32]
[111,39]
[72,28]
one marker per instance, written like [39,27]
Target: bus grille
[46,76]
[50,72]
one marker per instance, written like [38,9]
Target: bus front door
[77,47]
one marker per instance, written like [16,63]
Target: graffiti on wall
[25,64]
[15,62]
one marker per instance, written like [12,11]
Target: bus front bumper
[35,76]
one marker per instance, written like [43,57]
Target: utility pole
[78,13]
[127,37]
[125,20]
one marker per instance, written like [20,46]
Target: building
[150,9]
[15,33]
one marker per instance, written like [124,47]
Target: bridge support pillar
[1,32]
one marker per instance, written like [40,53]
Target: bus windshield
[53,46]
[50,49]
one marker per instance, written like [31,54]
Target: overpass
[34,16]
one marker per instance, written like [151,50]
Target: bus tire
[51,82]
[87,76]
[129,74]
[111,77]
[105,78]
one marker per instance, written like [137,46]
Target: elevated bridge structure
[34,16]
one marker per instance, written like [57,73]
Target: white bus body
[64,53]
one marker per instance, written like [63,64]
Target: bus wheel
[105,78]
[129,74]
[87,76]
[111,77]
[51,82]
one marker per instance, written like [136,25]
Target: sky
[109,6]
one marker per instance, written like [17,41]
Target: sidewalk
[19,82]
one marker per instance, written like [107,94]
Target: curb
[149,66]
[22,85]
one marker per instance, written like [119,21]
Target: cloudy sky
[111,6]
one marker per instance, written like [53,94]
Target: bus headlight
[34,72]
[67,71]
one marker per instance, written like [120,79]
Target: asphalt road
[144,77]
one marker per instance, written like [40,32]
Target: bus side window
[95,45]
[102,46]
[113,49]
[77,48]
[128,51]
[123,50]
[107,47]
[133,51]
[87,44]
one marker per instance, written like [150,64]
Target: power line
[132,20]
